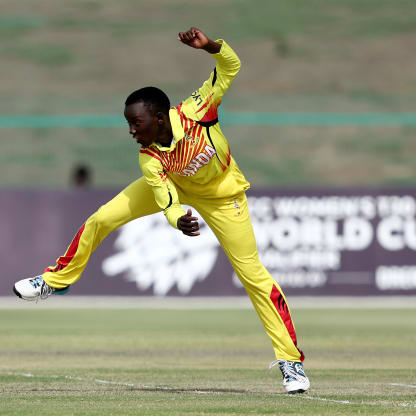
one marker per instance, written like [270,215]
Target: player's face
[143,125]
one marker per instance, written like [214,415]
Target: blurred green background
[76,57]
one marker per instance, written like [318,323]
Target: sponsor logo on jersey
[199,161]
[197,97]
[237,207]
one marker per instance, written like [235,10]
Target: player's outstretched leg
[135,201]
[35,288]
[231,223]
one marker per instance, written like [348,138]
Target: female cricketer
[185,159]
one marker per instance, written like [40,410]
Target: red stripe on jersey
[182,117]
[207,101]
[64,260]
[281,307]
[200,147]
[181,155]
[193,133]
[191,152]
[212,109]
[172,160]
[176,156]
[229,156]
[211,114]
[165,159]
[187,154]
[198,134]
[150,153]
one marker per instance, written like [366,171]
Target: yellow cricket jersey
[198,161]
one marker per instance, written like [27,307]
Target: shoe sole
[17,293]
[63,291]
[296,391]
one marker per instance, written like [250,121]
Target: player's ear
[159,116]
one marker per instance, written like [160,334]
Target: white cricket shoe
[36,288]
[294,377]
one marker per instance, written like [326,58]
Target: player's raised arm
[203,103]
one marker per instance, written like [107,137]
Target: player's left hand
[188,224]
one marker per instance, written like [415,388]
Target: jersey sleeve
[164,190]
[202,105]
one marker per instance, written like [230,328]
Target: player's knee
[101,219]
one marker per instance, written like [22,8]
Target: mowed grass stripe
[195,391]
[172,362]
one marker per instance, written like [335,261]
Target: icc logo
[152,254]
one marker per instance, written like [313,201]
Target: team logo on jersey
[199,161]
[190,139]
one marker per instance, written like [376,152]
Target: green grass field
[202,362]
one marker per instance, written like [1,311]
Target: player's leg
[231,223]
[133,202]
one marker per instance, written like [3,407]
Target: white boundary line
[403,385]
[196,391]
[95,380]
[323,399]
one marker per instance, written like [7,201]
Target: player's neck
[165,136]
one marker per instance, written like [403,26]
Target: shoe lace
[36,281]
[45,291]
[287,370]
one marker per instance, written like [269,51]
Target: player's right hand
[188,224]
[194,38]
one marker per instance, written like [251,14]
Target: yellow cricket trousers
[230,222]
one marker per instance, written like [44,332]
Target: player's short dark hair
[154,98]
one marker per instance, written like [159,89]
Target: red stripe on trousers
[281,307]
[63,261]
